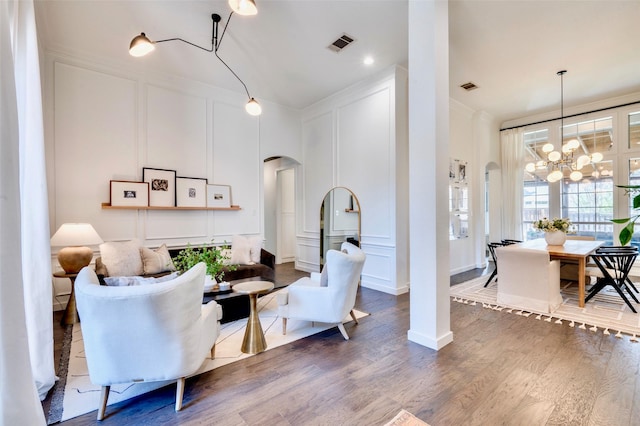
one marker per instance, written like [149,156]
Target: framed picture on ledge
[162,186]
[191,192]
[219,196]
[131,194]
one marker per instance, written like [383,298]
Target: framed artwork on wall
[218,196]
[125,193]
[191,192]
[162,186]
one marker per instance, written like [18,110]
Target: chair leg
[284,326]
[213,351]
[493,274]
[179,393]
[353,315]
[103,401]
[343,331]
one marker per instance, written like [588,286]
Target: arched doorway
[279,207]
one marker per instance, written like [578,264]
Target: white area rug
[605,312]
[81,396]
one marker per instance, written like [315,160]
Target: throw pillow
[131,281]
[255,246]
[156,261]
[122,258]
[240,251]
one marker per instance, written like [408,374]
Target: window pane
[589,202]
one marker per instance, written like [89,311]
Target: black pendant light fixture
[141,45]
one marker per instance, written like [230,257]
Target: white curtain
[26,337]
[512,145]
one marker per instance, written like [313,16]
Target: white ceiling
[510,49]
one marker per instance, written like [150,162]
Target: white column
[428,172]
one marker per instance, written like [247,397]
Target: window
[536,188]
[589,203]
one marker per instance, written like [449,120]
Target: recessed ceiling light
[368,60]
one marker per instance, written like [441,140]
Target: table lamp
[74,237]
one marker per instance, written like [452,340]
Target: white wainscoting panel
[317,136]
[236,159]
[308,259]
[95,141]
[366,158]
[176,132]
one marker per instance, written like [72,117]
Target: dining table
[578,250]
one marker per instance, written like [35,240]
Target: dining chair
[633,272]
[612,269]
[492,250]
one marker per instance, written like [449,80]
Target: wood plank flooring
[501,369]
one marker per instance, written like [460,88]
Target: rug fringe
[571,323]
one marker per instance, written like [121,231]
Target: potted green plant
[215,257]
[626,233]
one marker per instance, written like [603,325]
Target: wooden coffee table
[254,341]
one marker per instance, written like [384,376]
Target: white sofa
[528,279]
[327,297]
[146,333]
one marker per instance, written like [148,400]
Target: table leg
[71,312]
[254,341]
[581,280]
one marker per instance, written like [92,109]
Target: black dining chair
[612,269]
[509,241]
[621,249]
[492,250]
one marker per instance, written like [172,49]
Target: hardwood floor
[501,369]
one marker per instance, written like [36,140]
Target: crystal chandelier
[556,161]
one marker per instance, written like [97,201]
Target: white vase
[555,238]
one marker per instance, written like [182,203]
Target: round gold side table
[254,341]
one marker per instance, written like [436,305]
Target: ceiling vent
[343,41]
[469,86]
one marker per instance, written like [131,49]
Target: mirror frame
[356,208]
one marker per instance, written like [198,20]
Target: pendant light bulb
[554,156]
[547,148]
[575,176]
[243,7]
[140,46]
[253,107]
[596,157]
[530,167]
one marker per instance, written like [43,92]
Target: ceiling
[510,49]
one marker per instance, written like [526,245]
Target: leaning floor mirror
[339,220]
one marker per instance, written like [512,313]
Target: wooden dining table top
[570,249]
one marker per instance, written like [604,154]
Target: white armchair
[528,279]
[327,297]
[146,333]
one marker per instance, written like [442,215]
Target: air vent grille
[469,86]
[341,42]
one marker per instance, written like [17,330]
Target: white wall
[350,140]
[107,124]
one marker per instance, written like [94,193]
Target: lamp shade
[74,237]
[253,107]
[75,234]
[243,7]
[140,45]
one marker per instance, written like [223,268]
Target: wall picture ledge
[162,186]
[125,193]
[219,196]
[191,192]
